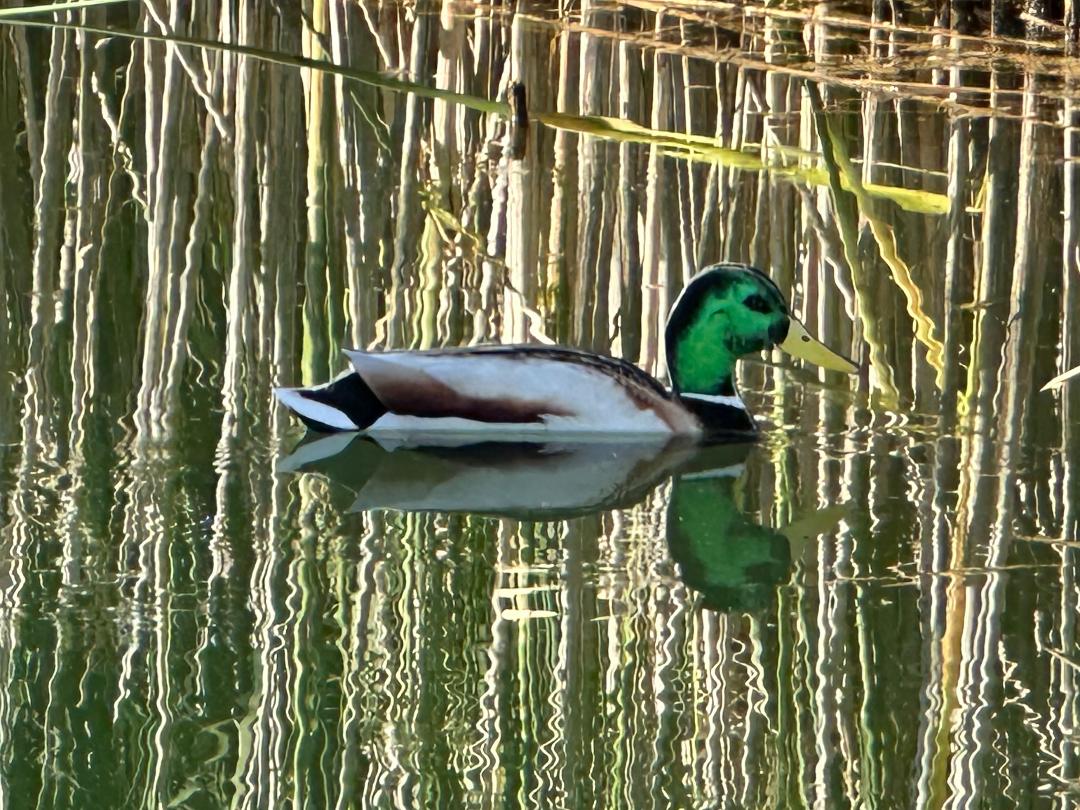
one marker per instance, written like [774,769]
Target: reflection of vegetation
[526,481]
[53,8]
[840,166]
[1061,378]
[734,562]
[675,144]
[182,227]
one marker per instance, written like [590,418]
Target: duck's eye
[756,303]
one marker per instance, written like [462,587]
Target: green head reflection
[734,563]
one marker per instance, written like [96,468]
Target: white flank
[316,411]
[720,399]
[588,401]
[449,431]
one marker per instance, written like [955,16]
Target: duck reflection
[731,561]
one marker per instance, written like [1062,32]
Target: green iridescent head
[725,312]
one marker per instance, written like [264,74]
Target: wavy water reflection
[730,560]
[879,609]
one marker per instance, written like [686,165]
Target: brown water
[876,605]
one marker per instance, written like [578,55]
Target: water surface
[876,605]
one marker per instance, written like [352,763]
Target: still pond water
[876,605]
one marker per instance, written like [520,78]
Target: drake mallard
[725,312]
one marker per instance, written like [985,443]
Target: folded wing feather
[524,385]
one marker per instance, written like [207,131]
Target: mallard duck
[521,392]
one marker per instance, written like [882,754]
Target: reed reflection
[722,553]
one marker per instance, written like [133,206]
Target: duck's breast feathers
[527,387]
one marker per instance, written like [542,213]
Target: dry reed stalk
[562,248]
[629,243]
[319,360]
[16,244]
[527,65]
[357,147]
[656,296]
[595,216]
[46,246]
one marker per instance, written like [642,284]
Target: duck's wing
[518,386]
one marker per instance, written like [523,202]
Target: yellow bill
[799,344]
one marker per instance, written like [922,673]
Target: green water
[876,605]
